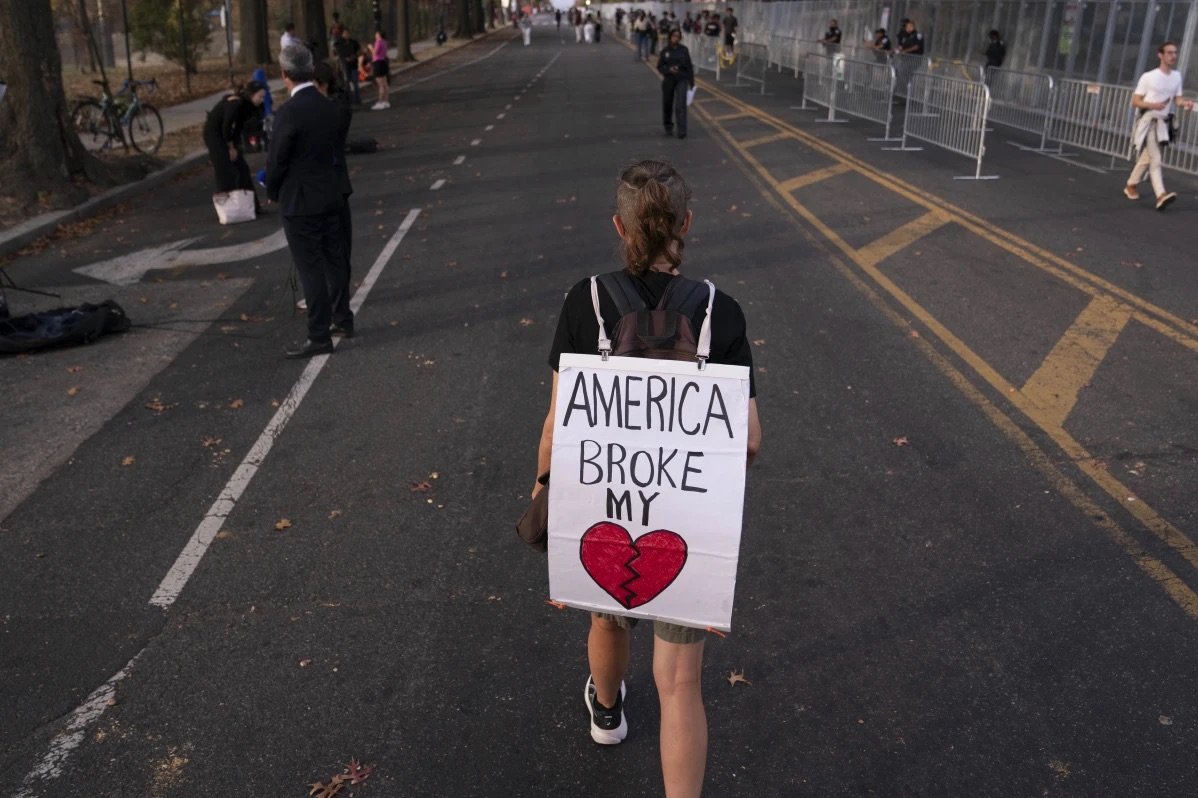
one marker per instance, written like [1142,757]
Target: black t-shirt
[712,28]
[832,36]
[913,39]
[578,332]
[995,53]
[347,50]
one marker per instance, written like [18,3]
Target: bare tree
[480,17]
[42,162]
[311,27]
[252,28]
[403,33]
[464,29]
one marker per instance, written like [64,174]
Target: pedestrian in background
[641,29]
[346,49]
[677,76]
[223,129]
[832,36]
[380,70]
[996,50]
[576,21]
[288,39]
[729,27]
[880,44]
[652,219]
[1157,98]
[301,175]
[328,83]
[712,26]
[526,28]
[910,40]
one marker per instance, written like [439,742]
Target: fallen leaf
[112,703]
[421,487]
[128,460]
[210,441]
[157,405]
[915,333]
[503,275]
[237,404]
[74,369]
[325,790]
[73,390]
[901,441]
[334,514]
[303,663]
[434,475]
[557,605]
[283,523]
[735,678]
[224,534]
[357,772]
[255,318]
[758,342]
[525,322]
[1165,720]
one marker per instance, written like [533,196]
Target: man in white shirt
[288,39]
[1157,97]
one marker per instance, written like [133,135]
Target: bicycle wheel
[145,130]
[92,125]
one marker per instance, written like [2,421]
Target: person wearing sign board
[1157,96]
[652,220]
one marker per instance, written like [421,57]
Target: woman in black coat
[678,75]
[223,133]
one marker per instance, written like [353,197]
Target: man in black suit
[306,144]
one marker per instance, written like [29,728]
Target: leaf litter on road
[737,677]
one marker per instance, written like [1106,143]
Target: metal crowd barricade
[752,61]
[1097,117]
[818,83]
[906,65]
[957,69]
[1182,152]
[1022,100]
[703,53]
[867,92]
[948,113]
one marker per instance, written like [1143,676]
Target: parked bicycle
[100,122]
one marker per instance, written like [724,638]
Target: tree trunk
[480,17]
[403,30]
[310,26]
[41,158]
[464,29]
[251,26]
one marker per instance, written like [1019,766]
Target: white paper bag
[646,499]
[690,95]
[235,206]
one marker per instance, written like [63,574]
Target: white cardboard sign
[647,489]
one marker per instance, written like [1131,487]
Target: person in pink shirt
[380,69]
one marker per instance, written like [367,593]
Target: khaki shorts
[669,632]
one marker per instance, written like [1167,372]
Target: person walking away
[380,70]
[588,30]
[223,128]
[730,25]
[688,23]
[301,175]
[598,27]
[557,17]
[346,49]
[576,21]
[1157,98]
[327,83]
[526,28]
[677,76]
[652,219]
[996,50]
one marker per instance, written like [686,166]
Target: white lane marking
[67,740]
[458,161]
[188,559]
[476,142]
[448,71]
[488,128]
[130,268]
[436,186]
[501,116]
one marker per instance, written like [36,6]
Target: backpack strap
[687,297]
[623,292]
[604,341]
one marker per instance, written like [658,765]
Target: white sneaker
[377,107]
[386,104]
[608,726]
[302,304]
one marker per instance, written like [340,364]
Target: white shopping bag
[690,95]
[235,206]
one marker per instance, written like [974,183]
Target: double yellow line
[1050,394]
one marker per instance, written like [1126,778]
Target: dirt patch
[172,87]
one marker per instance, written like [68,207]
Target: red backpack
[665,332]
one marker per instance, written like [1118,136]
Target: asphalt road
[966,566]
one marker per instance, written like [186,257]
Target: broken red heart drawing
[633,572]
